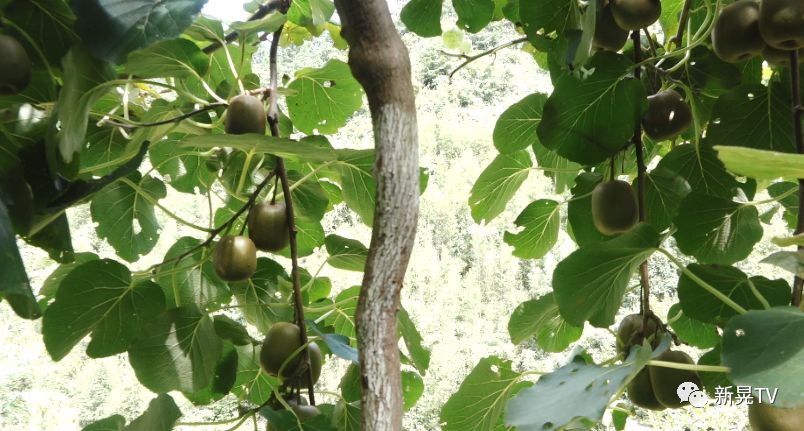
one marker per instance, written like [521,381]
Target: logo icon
[689,392]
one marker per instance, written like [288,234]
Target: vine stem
[471,59]
[281,172]
[682,23]
[700,282]
[798,112]
[134,125]
[644,277]
[690,367]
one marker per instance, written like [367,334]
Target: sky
[226,10]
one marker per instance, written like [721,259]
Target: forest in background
[461,286]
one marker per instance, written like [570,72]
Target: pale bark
[379,60]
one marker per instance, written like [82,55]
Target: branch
[262,12]
[133,125]
[273,122]
[379,61]
[471,59]
[798,111]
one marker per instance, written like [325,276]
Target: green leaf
[797,240]
[590,283]
[423,17]
[716,230]
[312,14]
[699,304]
[555,16]
[761,164]
[711,380]
[259,295]
[82,76]
[185,170]
[178,58]
[576,391]
[162,415]
[708,74]
[540,318]
[664,192]
[125,218]
[516,128]
[345,253]
[105,150]
[259,144]
[309,198]
[177,352]
[701,168]
[252,383]
[497,184]
[112,423]
[205,28]
[581,226]
[14,284]
[324,99]
[412,388]
[691,331]
[48,22]
[578,118]
[353,172]
[99,298]
[268,24]
[309,236]
[671,12]
[111,29]
[342,318]
[561,170]
[53,281]
[413,341]
[193,279]
[790,202]
[222,383]
[479,401]
[754,116]
[539,223]
[228,329]
[765,349]
[346,417]
[790,261]
[473,15]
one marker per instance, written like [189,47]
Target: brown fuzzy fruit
[766,417]
[608,35]
[15,66]
[668,116]
[246,114]
[736,37]
[268,226]
[281,343]
[235,258]
[614,207]
[630,333]
[781,23]
[666,381]
[640,391]
[780,58]
[635,14]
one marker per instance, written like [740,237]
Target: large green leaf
[664,191]
[342,318]
[193,279]
[590,283]
[259,295]
[561,170]
[716,230]
[537,232]
[259,144]
[14,284]
[579,117]
[754,116]
[51,284]
[540,318]
[312,14]
[252,383]
[761,164]
[473,15]
[178,350]
[99,298]
[105,150]
[181,167]
[111,28]
[48,22]
[82,76]
[692,331]
[497,184]
[516,128]
[575,392]
[789,202]
[553,16]
[419,355]
[701,168]
[324,99]
[345,253]
[765,349]
[112,423]
[790,261]
[423,17]
[126,218]
[162,415]
[178,58]
[353,172]
[479,402]
[698,303]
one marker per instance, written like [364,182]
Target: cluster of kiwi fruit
[15,66]
[617,17]
[235,256]
[771,28]
[654,387]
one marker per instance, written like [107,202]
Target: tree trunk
[379,60]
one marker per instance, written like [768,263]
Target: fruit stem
[273,122]
[798,111]
[135,125]
[644,277]
[690,367]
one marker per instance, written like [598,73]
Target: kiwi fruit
[666,381]
[246,114]
[630,333]
[614,207]
[15,66]
[778,57]
[668,116]
[608,35]
[640,391]
[735,36]
[268,226]
[235,258]
[766,417]
[781,23]
[635,14]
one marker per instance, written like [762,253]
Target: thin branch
[471,59]
[682,23]
[798,111]
[262,12]
[135,125]
[273,122]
